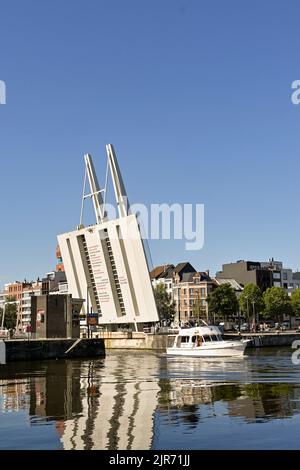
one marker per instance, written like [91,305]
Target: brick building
[190,295]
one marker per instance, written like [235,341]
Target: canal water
[144,400]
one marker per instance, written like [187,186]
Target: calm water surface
[143,400]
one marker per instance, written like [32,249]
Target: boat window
[207,338]
[194,339]
[185,339]
[214,338]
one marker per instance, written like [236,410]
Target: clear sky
[196,97]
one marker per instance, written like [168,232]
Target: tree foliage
[10,316]
[199,310]
[295,301]
[222,301]
[165,306]
[251,300]
[277,303]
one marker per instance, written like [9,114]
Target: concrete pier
[40,349]
[136,340]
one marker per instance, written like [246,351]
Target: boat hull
[220,349]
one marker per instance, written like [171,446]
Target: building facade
[251,272]
[163,275]
[190,295]
[25,315]
[21,293]
[166,275]
[55,316]
[263,274]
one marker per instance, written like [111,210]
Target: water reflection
[252,389]
[252,402]
[133,400]
[118,407]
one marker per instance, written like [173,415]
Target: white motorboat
[205,341]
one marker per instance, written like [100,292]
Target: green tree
[165,306]
[222,302]
[277,303]
[251,301]
[10,317]
[295,300]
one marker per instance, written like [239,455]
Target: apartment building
[34,289]
[286,279]
[163,275]
[190,293]
[252,272]
[166,274]
[52,282]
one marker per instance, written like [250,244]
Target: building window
[203,302]
[285,276]
[191,291]
[191,303]
[276,275]
[202,292]
[184,291]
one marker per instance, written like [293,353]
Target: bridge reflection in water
[117,408]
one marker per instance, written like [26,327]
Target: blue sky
[196,97]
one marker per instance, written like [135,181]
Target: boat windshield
[212,337]
[196,340]
[182,341]
[207,338]
[216,337]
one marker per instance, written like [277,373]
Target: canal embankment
[160,342]
[266,339]
[136,340]
[41,349]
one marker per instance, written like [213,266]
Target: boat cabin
[197,337]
